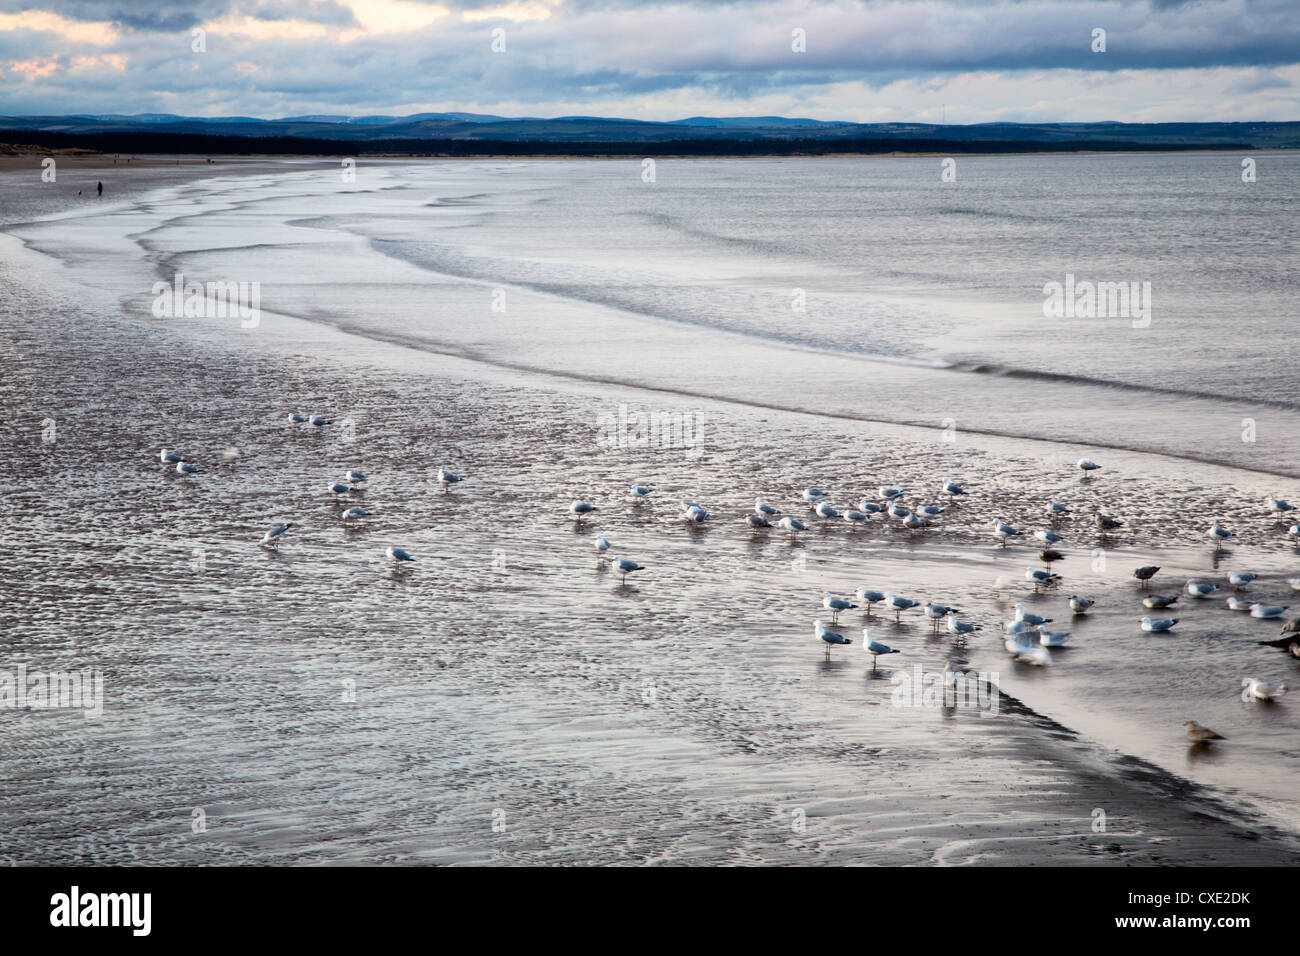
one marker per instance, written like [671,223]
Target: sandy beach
[507,700]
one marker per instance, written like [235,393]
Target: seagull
[1158,601]
[791,524]
[1033,620]
[296,419]
[1087,465]
[899,604]
[761,507]
[1264,689]
[1156,627]
[398,555]
[869,598]
[272,538]
[319,422]
[1294,531]
[580,510]
[1048,639]
[354,476]
[353,513]
[813,494]
[1198,590]
[875,648]
[339,488]
[1220,534]
[961,627]
[625,567]
[170,457]
[1239,604]
[1018,642]
[1003,530]
[824,510]
[1048,537]
[640,491]
[855,518]
[829,636]
[952,489]
[890,492]
[1267,613]
[1199,734]
[1080,605]
[870,507]
[1017,628]
[835,605]
[1041,578]
[1294,582]
[1239,579]
[899,512]
[185,468]
[447,479]
[602,545]
[915,522]
[757,521]
[1145,573]
[937,612]
[1105,523]
[1055,509]
[929,511]
[696,513]
[1279,506]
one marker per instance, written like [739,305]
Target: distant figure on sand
[101,189]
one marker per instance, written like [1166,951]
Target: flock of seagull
[1027,637]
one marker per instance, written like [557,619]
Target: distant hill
[593,130]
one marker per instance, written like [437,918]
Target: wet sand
[513,703]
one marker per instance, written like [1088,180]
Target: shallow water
[684,717]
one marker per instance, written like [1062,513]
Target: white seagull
[835,605]
[761,507]
[1080,605]
[170,457]
[869,598]
[830,637]
[398,555]
[791,524]
[811,495]
[272,538]
[1031,619]
[185,468]
[1219,534]
[625,567]
[875,648]
[952,489]
[1087,465]
[1155,627]
[353,513]
[1196,589]
[1263,689]
[1003,530]
[825,510]
[899,604]
[1266,613]
[1048,639]
[580,510]
[447,479]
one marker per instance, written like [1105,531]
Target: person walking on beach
[101,189]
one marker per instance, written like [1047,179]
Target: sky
[872,61]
